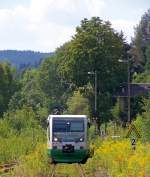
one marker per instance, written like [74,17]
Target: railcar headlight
[81,139]
[55,139]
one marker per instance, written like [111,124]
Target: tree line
[62,81]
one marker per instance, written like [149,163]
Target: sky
[44,25]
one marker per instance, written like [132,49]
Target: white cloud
[66,12]
[95,7]
[46,24]
[126,26]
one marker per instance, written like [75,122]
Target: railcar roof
[67,116]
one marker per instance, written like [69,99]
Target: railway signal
[134,139]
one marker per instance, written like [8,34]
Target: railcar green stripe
[75,157]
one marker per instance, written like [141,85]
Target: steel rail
[81,170]
[53,171]
[4,168]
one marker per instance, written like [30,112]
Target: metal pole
[95,93]
[129,92]
[129,89]
[95,105]
[95,99]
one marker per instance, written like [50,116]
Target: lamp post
[95,90]
[129,90]
[95,97]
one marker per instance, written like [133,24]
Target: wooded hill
[21,59]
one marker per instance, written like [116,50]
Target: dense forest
[22,59]
[62,82]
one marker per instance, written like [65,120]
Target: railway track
[81,170]
[53,171]
[78,166]
[5,168]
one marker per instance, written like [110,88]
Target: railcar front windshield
[68,125]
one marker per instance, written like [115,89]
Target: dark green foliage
[136,106]
[42,90]
[8,85]
[95,47]
[52,84]
[48,77]
[147,54]
[77,104]
[30,95]
[143,121]
[116,111]
[21,119]
[141,41]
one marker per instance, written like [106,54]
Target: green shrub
[142,122]
[77,104]
[19,134]
[14,146]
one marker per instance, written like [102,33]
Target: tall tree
[95,47]
[30,95]
[8,85]
[51,83]
[141,39]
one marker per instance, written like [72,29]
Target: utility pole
[128,88]
[95,98]
[129,93]
[95,105]
[95,89]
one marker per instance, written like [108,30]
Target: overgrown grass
[118,159]
[20,132]
[37,164]
[112,158]
[34,164]
[14,146]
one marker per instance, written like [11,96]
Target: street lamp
[129,91]
[95,90]
[95,101]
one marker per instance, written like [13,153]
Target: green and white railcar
[67,138]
